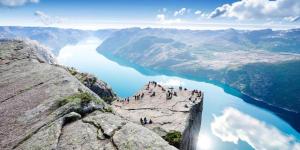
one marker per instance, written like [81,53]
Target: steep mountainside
[263,64]
[43,106]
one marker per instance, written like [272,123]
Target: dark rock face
[191,132]
[99,87]
[42,106]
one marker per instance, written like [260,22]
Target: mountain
[47,106]
[262,64]
[53,38]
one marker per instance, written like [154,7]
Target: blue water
[227,121]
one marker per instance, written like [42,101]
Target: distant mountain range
[53,38]
[263,64]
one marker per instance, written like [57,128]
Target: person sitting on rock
[150,121]
[145,120]
[175,94]
[141,120]
[153,94]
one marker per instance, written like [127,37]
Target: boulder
[136,137]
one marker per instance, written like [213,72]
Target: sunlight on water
[204,142]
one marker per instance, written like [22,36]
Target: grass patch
[80,98]
[173,138]
[72,70]
[109,109]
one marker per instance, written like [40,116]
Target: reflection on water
[227,121]
[234,125]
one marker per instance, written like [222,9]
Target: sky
[183,14]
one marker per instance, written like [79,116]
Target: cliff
[175,113]
[43,106]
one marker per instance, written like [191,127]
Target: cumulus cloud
[162,19]
[234,125]
[46,19]
[14,3]
[259,9]
[198,12]
[180,12]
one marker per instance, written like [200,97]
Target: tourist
[141,120]
[153,94]
[145,120]
[175,94]
[150,121]
[142,95]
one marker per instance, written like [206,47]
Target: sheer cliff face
[259,63]
[43,106]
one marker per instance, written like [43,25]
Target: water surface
[228,122]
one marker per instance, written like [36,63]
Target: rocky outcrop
[170,109]
[99,87]
[44,107]
[139,139]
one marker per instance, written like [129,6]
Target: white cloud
[14,3]
[180,12]
[46,19]
[292,19]
[234,125]
[162,19]
[259,9]
[198,12]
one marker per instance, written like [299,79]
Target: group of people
[144,121]
[198,92]
[139,96]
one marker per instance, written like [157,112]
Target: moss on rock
[173,138]
[80,98]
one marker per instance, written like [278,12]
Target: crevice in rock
[58,139]
[141,109]
[183,111]
[114,144]
[26,89]
[29,135]
[22,91]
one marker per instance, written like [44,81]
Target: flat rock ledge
[167,107]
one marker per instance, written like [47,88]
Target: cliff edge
[44,106]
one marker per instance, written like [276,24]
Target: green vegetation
[80,98]
[174,138]
[108,100]
[82,77]
[72,70]
[108,109]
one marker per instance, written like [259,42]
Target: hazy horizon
[118,14]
